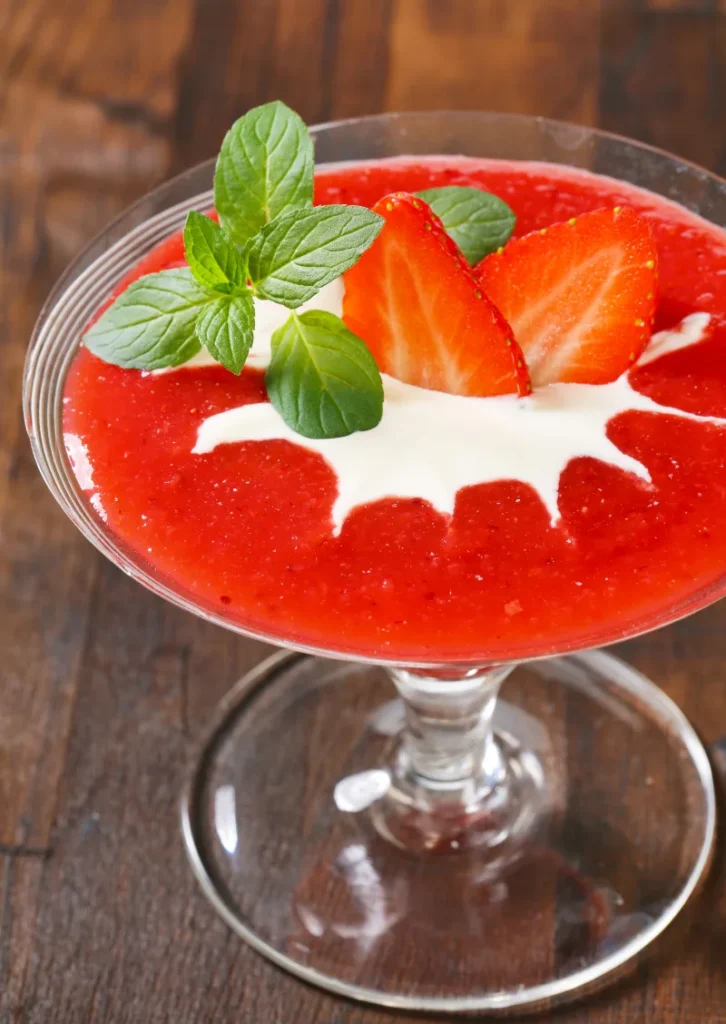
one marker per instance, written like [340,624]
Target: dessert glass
[441,837]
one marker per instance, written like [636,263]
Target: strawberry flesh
[579,295]
[414,300]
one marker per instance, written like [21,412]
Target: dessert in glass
[439,797]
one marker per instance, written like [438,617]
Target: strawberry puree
[246,529]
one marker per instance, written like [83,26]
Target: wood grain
[104,687]
[664,78]
[497,56]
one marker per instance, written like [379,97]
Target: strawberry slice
[580,295]
[414,301]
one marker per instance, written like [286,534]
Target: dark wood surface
[103,687]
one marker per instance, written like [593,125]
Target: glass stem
[448,725]
[447,768]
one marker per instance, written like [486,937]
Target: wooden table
[104,687]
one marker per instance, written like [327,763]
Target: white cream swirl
[429,444]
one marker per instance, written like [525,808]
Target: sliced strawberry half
[413,299]
[579,295]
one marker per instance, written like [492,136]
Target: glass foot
[586,827]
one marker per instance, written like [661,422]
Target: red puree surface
[246,529]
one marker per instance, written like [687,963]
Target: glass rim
[105,540]
[392,115]
[472,112]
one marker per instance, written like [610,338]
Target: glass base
[596,829]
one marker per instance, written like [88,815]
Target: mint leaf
[322,379]
[212,256]
[297,253]
[478,221]
[265,166]
[151,324]
[227,326]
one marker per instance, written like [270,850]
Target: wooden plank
[325,58]
[73,162]
[359,59]
[664,79]
[249,53]
[681,6]
[105,688]
[496,56]
[20,879]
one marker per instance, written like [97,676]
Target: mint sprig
[265,168]
[226,326]
[152,324]
[271,243]
[213,258]
[478,221]
[322,379]
[296,254]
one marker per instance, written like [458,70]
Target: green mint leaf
[479,222]
[265,166]
[152,324]
[297,253]
[322,379]
[213,258]
[226,326]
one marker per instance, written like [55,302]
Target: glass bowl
[445,848]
